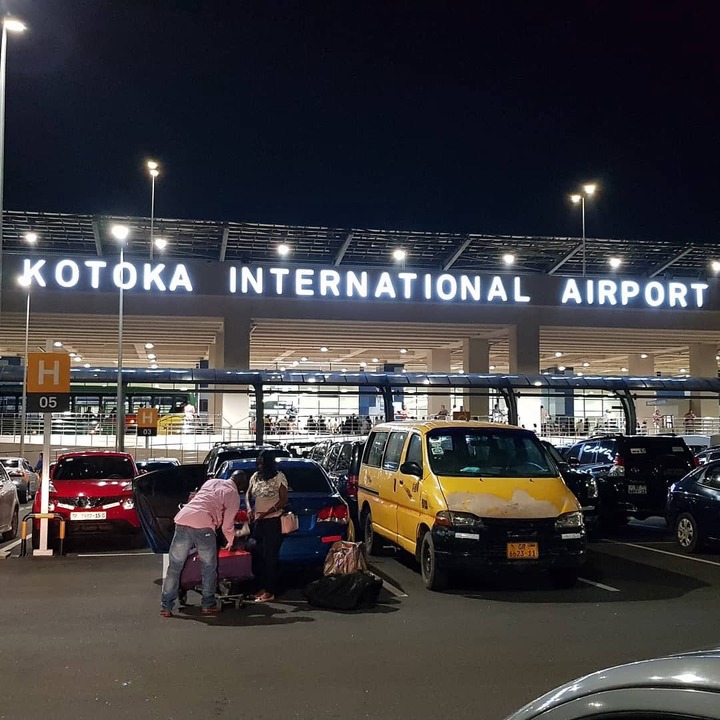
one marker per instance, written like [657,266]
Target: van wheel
[434,578]
[373,545]
[564,578]
[11,534]
[687,534]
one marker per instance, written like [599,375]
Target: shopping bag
[345,557]
[289,523]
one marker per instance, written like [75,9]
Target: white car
[9,507]
[669,688]
[23,476]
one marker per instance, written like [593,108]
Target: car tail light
[331,538]
[618,467]
[335,513]
[696,462]
[352,485]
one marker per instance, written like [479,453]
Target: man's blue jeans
[183,541]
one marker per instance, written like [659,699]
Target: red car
[92,490]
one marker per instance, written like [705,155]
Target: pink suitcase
[234,565]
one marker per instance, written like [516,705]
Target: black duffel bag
[354,591]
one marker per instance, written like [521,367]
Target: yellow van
[468,495]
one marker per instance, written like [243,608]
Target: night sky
[459,116]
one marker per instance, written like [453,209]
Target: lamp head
[14,25]
[120,232]
[590,188]
[575,198]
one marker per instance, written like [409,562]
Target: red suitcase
[234,567]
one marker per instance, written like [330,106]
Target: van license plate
[88,515]
[523,551]
[637,489]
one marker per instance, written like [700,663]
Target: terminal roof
[241,242]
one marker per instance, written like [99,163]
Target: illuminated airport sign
[283,281]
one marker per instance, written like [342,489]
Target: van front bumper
[556,549]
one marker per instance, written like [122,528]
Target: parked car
[708,455]
[582,485]
[693,508]
[151,464]
[92,490]
[9,507]
[633,472]
[221,452]
[668,688]
[342,463]
[323,514]
[469,495]
[23,476]
[318,451]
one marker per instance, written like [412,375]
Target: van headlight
[458,520]
[570,520]
[592,488]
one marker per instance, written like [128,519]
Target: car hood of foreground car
[92,488]
[688,671]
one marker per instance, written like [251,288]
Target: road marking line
[392,589]
[665,552]
[609,588]
[130,554]
[13,544]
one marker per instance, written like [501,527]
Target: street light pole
[13,26]
[120,233]
[154,171]
[26,282]
[587,191]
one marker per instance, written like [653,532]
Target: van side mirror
[411,468]
[563,466]
[573,462]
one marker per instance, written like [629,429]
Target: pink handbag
[289,523]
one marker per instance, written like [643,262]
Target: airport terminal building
[248,296]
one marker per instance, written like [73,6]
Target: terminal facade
[223,296]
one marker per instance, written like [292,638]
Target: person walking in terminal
[269,488]
[213,506]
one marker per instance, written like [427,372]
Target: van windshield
[487,452]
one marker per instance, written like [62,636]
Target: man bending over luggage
[213,506]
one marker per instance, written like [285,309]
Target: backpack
[344,558]
[354,591]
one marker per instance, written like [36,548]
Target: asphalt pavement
[82,636]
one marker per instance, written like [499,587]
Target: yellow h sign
[147,417]
[48,373]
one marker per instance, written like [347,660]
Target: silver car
[22,474]
[670,688]
[9,507]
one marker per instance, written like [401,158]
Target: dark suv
[633,472]
[236,451]
[341,461]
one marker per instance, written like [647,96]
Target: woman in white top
[269,489]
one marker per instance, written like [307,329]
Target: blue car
[693,509]
[322,513]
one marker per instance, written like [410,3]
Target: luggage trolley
[234,569]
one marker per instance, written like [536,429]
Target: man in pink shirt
[213,506]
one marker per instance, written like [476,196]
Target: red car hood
[90,488]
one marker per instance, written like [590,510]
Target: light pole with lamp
[120,233]
[587,191]
[26,282]
[8,25]
[154,170]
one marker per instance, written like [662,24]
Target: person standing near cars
[213,506]
[269,489]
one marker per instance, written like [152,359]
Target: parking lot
[86,627]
